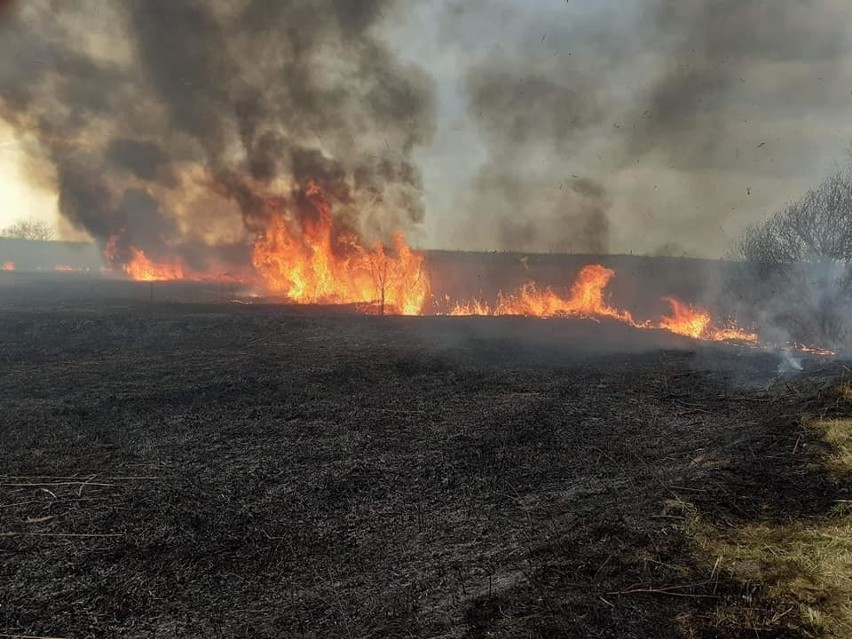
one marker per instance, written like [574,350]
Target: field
[211,469]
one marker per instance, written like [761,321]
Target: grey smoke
[532,116]
[712,48]
[691,115]
[255,96]
[693,118]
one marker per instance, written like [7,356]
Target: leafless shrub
[797,271]
[28,230]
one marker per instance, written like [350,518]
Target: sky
[19,198]
[780,125]
[651,127]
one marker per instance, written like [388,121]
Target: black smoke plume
[172,125]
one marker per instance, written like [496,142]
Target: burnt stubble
[233,470]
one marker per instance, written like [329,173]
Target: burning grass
[306,253]
[587,298]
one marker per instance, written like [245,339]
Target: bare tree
[799,262]
[379,270]
[28,230]
[817,228]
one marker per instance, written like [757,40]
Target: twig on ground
[37,534]
[21,503]
[695,407]
[71,478]
[671,591]
[64,483]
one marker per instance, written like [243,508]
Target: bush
[28,230]
[797,265]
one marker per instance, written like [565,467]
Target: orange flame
[813,350]
[685,320]
[697,323]
[587,298]
[142,269]
[7,266]
[312,262]
[472,307]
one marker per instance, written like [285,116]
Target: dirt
[216,470]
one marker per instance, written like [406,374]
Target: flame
[472,307]
[696,322]
[313,262]
[812,350]
[7,266]
[303,253]
[685,320]
[142,269]
[587,298]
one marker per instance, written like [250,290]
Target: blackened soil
[217,471]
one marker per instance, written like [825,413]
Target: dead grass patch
[794,576]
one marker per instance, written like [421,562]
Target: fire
[305,254]
[7,266]
[697,323]
[310,259]
[142,269]
[587,298]
[312,262]
[685,320]
[472,307]
[812,350]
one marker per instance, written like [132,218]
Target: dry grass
[837,432]
[796,575]
[844,391]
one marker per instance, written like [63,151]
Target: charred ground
[189,470]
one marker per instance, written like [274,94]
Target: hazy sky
[650,126]
[18,198]
[778,121]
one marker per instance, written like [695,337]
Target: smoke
[533,115]
[178,126]
[661,126]
[719,54]
[692,117]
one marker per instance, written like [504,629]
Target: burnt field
[230,470]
